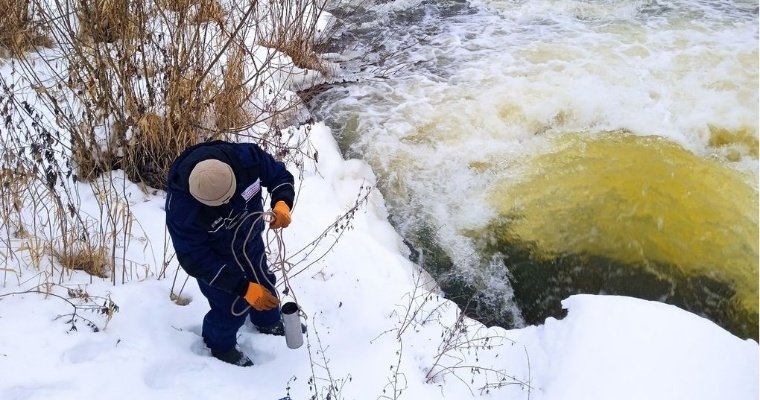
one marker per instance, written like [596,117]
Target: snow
[607,347]
[611,347]
[377,327]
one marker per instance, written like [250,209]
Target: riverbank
[472,135]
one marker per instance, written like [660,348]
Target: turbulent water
[540,148]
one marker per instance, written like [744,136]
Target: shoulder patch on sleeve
[251,190]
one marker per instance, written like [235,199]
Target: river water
[536,149]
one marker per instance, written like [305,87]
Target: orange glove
[281,215]
[260,298]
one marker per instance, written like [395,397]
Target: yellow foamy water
[638,200]
[480,93]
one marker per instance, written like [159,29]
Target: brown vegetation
[91,259]
[19,32]
[128,86]
[229,102]
[210,11]
[106,20]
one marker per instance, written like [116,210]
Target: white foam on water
[483,91]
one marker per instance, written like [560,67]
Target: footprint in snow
[163,375]
[86,351]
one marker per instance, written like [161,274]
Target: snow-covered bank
[611,347]
[486,91]
[606,348]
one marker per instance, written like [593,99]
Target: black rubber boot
[276,329]
[233,356]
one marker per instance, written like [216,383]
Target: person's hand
[281,215]
[260,298]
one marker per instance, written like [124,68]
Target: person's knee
[224,321]
[265,318]
[220,330]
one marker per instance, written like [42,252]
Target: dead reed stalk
[177,5]
[106,21]
[294,32]
[228,104]
[210,11]
[79,256]
[19,31]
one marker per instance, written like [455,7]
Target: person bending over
[214,216]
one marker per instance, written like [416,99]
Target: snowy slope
[606,348]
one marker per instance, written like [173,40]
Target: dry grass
[12,192]
[210,11]
[86,162]
[150,152]
[151,133]
[178,5]
[89,160]
[154,95]
[300,50]
[228,104]
[294,32]
[14,179]
[106,21]
[184,99]
[195,93]
[19,32]
[156,142]
[187,102]
[84,257]
[303,55]
[87,166]
[130,99]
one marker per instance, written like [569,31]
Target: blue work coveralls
[222,246]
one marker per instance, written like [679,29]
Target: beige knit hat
[212,182]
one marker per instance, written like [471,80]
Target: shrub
[19,32]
